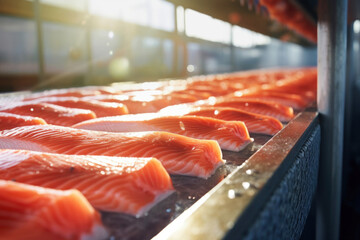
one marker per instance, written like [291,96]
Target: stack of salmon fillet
[66,152]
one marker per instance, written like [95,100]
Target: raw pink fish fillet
[288,99]
[9,120]
[51,113]
[281,112]
[35,213]
[101,109]
[144,103]
[255,123]
[231,135]
[116,184]
[178,154]
[137,105]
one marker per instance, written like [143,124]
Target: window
[205,27]
[162,15]
[195,65]
[105,45]
[168,49]
[246,39]
[18,48]
[148,57]
[153,13]
[64,48]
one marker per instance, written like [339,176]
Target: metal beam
[331,102]
[40,40]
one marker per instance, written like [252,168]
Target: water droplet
[111,53]
[249,172]
[190,68]
[246,104]
[231,194]
[246,185]
[216,112]
[31,109]
[182,126]
[102,172]
[168,210]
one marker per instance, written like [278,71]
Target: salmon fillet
[127,185]
[143,103]
[52,114]
[255,123]
[288,99]
[281,112]
[304,83]
[9,120]
[178,154]
[231,135]
[33,213]
[101,109]
[275,110]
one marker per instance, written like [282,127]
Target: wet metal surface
[216,213]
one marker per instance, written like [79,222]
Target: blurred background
[64,43]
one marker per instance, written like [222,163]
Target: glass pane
[18,48]
[162,15]
[275,54]
[105,8]
[216,59]
[245,38]
[135,11]
[205,27]
[79,5]
[168,49]
[109,56]
[148,57]
[64,48]
[194,66]
[105,45]
[154,13]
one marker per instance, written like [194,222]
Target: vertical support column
[232,51]
[331,101]
[88,75]
[175,39]
[40,43]
[350,84]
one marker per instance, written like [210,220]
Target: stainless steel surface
[348,120]
[215,214]
[331,98]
